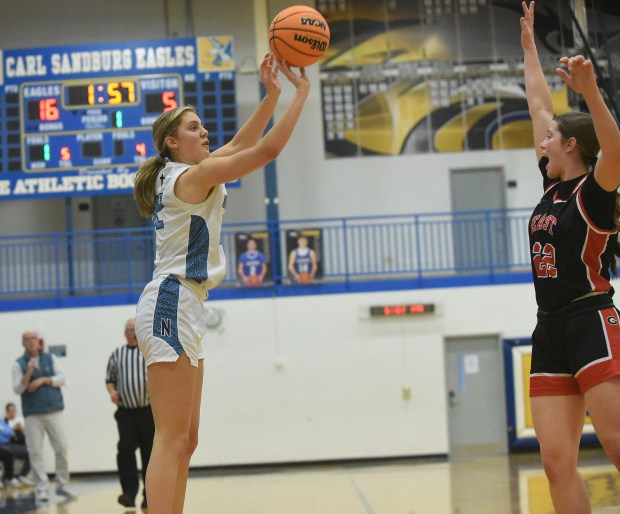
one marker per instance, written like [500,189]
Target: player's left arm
[579,76]
[249,134]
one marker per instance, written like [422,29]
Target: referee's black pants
[136,429]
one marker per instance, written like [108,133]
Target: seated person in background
[8,453]
[16,423]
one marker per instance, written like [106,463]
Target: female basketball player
[183,189]
[573,237]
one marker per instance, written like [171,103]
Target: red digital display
[160,102]
[141,149]
[405,309]
[168,98]
[45,109]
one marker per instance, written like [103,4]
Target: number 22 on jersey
[544,260]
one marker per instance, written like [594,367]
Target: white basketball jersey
[187,236]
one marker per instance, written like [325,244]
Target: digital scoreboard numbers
[90,124]
[401,310]
[78,120]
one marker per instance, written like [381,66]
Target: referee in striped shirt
[127,385]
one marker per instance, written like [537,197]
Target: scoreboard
[89,124]
[78,120]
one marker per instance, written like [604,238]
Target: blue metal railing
[411,246]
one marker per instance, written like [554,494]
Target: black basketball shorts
[575,348]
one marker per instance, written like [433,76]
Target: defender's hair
[580,126]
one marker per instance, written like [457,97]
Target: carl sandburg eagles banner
[77,120]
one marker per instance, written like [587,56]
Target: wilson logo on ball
[299,35]
[314,44]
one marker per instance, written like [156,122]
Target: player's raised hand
[269,74]
[527,26]
[299,81]
[578,74]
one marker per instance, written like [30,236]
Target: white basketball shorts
[170,320]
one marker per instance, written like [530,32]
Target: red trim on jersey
[558,200]
[553,184]
[593,247]
[562,200]
[553,385]
[603,370]
[579,184]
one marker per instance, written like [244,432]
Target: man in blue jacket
[38,379]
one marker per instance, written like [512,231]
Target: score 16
[45,109]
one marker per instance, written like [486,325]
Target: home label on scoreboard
[78,120]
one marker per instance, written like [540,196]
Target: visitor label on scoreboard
[78,120]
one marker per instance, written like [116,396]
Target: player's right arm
[579,75]
[216,170]
[537,92]
[251,131]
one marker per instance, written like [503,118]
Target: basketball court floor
[469,482]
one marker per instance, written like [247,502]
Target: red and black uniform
[576,343]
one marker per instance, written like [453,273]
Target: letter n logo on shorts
[165,318]
[165,327]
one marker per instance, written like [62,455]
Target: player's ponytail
[144,186]
[166,125]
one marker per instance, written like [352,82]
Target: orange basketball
[299,35]
[253,281]
[305,278]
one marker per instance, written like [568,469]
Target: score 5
[160,102]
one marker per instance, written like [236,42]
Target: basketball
[299,35]
[253,281]
[305,278]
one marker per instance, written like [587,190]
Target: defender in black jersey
[573,235]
